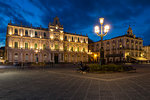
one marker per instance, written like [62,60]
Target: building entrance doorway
[56,58]
[36,58]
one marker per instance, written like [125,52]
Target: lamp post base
[102,60]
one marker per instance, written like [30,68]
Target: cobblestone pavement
[67,84]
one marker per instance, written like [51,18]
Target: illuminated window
[56,47]
[71,48]
[78,49]
[35,46]
[83,49]
[65,48]
[16,44]
[44,46]
[26,45]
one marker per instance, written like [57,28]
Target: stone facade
[147,52]
[52,44]
[119,48]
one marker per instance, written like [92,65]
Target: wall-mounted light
[51,29]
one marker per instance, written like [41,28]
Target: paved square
[67,84]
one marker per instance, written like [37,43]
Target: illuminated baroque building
[147,52]
[52,44]
[118,49]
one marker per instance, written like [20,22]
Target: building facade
[37,44]
[147,52]
[2,52]
[118,49]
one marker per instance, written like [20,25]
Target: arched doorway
[56,58]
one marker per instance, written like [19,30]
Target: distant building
[147,52]
[118,49]
[52,44]
[2,52]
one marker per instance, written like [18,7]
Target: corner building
[37,44]
[119,49]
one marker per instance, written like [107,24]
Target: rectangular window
[16,31]
[26,32]
[44,46]
[26,45]
[65,48]
[16,44]
[83,49]
[56,47]
[71,48]
[35,46]
[65,37]
[78,49]
[44,35]
[35,34]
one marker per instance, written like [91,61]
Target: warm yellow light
[96,29]
[101,20]
[106,28]
[56,27]
[95,55]
[31,35]
[40,47]
[10,33]
[21,46]
[61,38]
[52,37]
[61,31]
[40,36]
[36,51]
[21,35]
[51,29]
[141,55]
[69,40]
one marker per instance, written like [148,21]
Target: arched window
[35,45]
[16,44]
[72,38]
[78,39]
[16,54]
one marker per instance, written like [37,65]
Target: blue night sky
[79,16]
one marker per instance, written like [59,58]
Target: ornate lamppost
[102,32]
